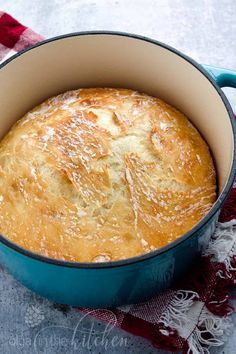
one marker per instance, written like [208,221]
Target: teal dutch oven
[112,59]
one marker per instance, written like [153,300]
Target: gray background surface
[202,29]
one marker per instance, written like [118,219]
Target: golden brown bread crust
[102,174]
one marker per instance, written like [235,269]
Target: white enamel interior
[117,61]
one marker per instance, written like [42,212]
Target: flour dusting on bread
[103,174]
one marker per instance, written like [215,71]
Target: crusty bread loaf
[102,174]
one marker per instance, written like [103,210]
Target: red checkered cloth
[194,316]
[14,36]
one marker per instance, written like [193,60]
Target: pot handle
[222,77]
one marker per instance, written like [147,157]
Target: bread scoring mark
[133,196]
[101,174]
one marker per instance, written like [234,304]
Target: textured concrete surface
[203,29]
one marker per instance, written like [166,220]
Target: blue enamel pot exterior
[136,279]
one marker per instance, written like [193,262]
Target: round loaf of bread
[103,174]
